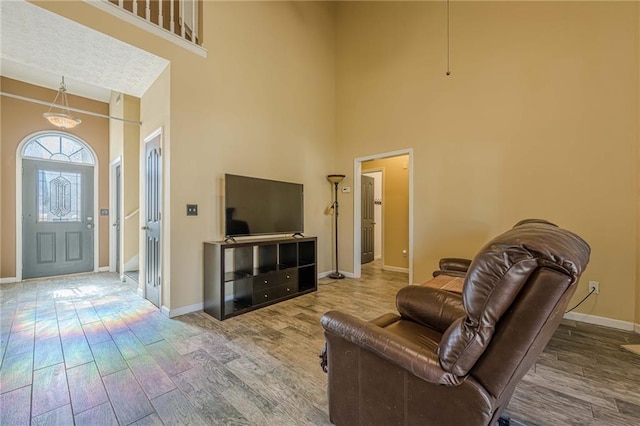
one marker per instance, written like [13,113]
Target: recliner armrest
[454,264]
[450,273]
[406,354]
[431,307]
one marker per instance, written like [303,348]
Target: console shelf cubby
[249,274]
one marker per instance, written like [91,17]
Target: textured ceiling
[38,47]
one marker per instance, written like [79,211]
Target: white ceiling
[38,47]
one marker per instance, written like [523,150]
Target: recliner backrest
[497,275]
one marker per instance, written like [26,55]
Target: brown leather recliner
[451,359]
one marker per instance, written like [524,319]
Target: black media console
[249,274]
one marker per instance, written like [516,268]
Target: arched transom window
[59,147]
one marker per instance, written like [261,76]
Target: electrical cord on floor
[580,303]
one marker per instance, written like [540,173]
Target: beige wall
[637,317]
[395,208]
[262,104]
[2,261]
[131,183]
[538,119]
[266,110]
[155,114]
[116,147]
[19,120]
[116,127]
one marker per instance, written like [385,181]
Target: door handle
[145,228]
[89,225]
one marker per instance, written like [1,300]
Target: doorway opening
[392,230]
[115,251]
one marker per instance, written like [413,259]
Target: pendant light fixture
[62,119]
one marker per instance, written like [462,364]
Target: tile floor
[87,350]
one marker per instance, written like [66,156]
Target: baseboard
[606,322]
[172,313]
[103,269]
[636,328]
[395,269]
[8,280]
[324,274]
[377,257]
[140,292]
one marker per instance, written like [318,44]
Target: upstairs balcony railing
[181,20]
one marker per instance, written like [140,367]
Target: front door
[57,220]
[367,219]
[152,227]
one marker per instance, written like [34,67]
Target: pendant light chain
[448,40]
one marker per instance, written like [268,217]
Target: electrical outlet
[192,210]
[594,286]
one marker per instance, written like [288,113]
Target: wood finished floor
[87,350]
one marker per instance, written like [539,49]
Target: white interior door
[153,220]
[377,212]
[367,219]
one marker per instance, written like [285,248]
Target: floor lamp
[335,180]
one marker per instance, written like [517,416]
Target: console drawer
[264,282]
[274,293]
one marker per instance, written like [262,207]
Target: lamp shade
[65,121]
[335,178]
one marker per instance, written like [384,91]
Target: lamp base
[336,276]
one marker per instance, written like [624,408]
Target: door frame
[113,193]
[96,197]
[357,208]
[142,284]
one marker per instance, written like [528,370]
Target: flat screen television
[256,206]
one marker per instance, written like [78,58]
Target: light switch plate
[346,189]
[104,212]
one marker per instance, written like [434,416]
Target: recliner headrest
[527,221]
